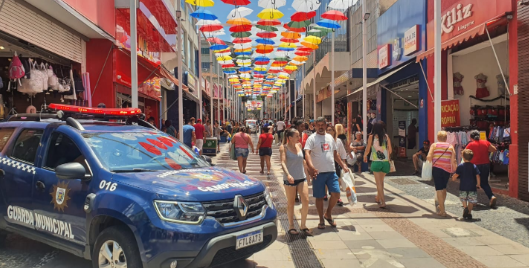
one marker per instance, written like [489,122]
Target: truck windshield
[141,151]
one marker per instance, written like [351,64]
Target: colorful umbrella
[299,24]
[242,46]
[300,58]
[306,5]
[313,40]
[334,15]
[298,30]
[341,4]
[201,3]
[269,22]
[302,53]
[242,40]
[210,28]
[265,41]
[328,24]
[244,58]
[290,35]
[266,34]
[270,13]
[317,33]
[240,28]
[239,12]
[236,2]
[289,40]
[241,34]
[207,22]
[239,21]
[274,4]
[215,40]
[301,16]
[218,47]
[267,28]
[309,45]
[203,14]
[288,45]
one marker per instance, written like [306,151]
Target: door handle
[2,173]
[40,186]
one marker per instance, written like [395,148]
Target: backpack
[16,69]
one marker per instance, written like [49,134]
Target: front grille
[230,254]
[224,212]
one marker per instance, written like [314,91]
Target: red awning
[476,31]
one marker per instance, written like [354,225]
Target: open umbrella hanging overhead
[266,34]
[301,16]
[241,34]
[216,40]
[274,4]
[299,24]
[239,21]
[306,5]
[201,3]
[239,12]
[341,4]
[328,24]
[334,15]
[270,13]
[207,22]
[272,22]
[236,2]
[240,28]
[204,15]
[242,40]
[210,28]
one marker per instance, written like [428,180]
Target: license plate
[249,239]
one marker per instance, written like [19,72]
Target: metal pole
[219,91]
[180,78]
[199,80]
[314,82]
[332,79]
[289,104]
[295,99]
[437,66]
[211,99]
[133,54]
[364,70]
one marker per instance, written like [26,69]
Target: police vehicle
[125,194]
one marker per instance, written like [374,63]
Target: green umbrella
[281,59]
[323,29]
[242,57]
[299,24]
[267,28]
[241,34]
[317,33]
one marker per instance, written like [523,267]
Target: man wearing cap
[420,156]
[200,132]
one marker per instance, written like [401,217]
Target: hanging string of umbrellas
[258,65]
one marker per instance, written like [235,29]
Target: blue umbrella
[218,47]
[229,72]
[285,49]
[265,41]
[203,14]
[259,72]
[243,53]
[328,24]
[245,69]
[262,58]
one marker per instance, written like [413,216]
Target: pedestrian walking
[233,130]
[216,133]
[189,133]
[379,147]
[208,129]
[469,184]
[358,147]
[482,149]
[200,133]
[320,154]
[341,152]
[443,158]
[169,129]
[264,147]
[294,179]
[280,126]
[242,141]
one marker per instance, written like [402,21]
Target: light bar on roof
[89,110]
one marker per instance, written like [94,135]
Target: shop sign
[191,81]
[457,14]
[411,40]
[396,50]
[383,56]
[402,128]
[450,115]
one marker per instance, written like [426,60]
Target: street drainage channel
[300,250]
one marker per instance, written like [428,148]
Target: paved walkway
[406,234]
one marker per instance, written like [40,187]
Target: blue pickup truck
[125,194]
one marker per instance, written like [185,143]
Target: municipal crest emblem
[60,195]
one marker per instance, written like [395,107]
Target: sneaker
[465,213]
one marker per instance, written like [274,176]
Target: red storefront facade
[466,26]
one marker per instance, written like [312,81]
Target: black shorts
[296,182]
[263,151]
[440,178]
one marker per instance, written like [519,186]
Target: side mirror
[71,171]
[207,159]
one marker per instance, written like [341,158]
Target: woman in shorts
[242,141]
[264,146]
[379,145]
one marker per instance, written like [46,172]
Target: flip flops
[293,232]
[330,221]
[307,232]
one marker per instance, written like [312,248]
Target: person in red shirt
[200,132]
[264,146]
[481,150]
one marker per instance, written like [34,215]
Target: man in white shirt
[320,154]
[280,126]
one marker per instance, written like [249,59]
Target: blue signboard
[401,31]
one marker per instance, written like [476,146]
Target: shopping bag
[392,166]
[232,152]
[427,170]
[351,159]
[350,191]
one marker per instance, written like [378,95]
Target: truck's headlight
[180,212]
[268,197]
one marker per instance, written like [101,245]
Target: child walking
[468,174]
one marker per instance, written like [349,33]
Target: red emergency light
[102,111]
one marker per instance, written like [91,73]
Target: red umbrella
[297,30]
[241,28]
[230,65]
[266,34]
[334,15]
[302,53]
[258,75]
[271,22]
[289,40]
[210,28]
[236,2]
[301,16]
[215,40]
[273,71]
[242,40]
[261,62]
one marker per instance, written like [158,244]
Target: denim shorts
[328,178]
[265,151]
[242,152]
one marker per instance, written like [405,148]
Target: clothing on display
[501,84]
[458,88]
[482,91]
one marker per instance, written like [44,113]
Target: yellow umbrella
[288,45]
[291,35]
[313,40]
[309,45]
[290,67]
[201,3]
[269,14]
[260,69]
[224,58]
[300,58]
[239,21]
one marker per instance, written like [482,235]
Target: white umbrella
[272,3]
[207,22]
[306,5]
[341,4]
[239,12]
[242,46]
[216,33]
[223,54]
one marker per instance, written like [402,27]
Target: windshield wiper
[132,170]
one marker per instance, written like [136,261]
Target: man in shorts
[200,132]
[320,154]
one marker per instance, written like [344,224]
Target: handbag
[426,173]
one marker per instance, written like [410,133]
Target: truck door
[59,205]
[18,169]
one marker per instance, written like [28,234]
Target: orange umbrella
[239,21]
[291,35]
[309,45]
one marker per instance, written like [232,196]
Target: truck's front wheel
[116,248]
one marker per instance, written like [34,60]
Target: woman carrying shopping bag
[379,145]
[443,158]
[294,179]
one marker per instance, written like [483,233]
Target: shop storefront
[206,99]
[477,73]
[49,57]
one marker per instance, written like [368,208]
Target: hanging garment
[458,88]
[506,157]
[481,91]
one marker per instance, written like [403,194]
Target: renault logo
[240,206]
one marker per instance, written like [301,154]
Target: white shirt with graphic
[322,149]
